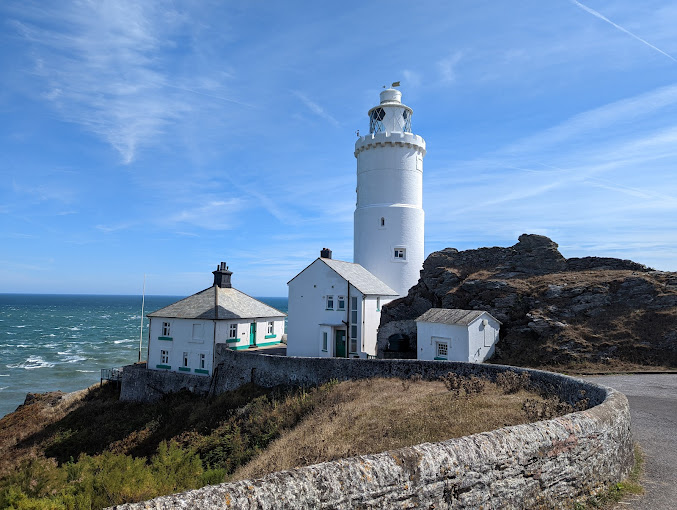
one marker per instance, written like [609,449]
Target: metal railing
[111,374]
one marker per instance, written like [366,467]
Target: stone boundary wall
[547,464]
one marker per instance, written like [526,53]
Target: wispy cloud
[212,215]
[113,228]
[316,108]
[624,30]
[108,67]
[447,67]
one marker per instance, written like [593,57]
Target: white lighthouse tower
[389,218]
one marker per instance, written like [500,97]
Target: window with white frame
[232,331]
[324,341]
[203,360]
[330,302]
[271,327]
[164,357]
[441,349]
[341,303]
[400,254]
[165,329]
[185,359]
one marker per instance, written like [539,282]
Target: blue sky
[160,138]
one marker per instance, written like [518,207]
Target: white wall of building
[308,316]
[429,334]
[181,340]
[482,338]
[196,337]
[372,319]
[474,343]
[243,340]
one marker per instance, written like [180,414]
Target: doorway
[252,334]
[340,343]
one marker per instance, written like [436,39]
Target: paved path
[653,410]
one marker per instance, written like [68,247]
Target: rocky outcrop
[554,310]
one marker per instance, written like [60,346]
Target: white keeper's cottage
[331,302]
[335,309]
[456,335]
[182,335]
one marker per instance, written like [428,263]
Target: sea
[51,342]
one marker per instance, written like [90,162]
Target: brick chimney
[325,253]
[222,276]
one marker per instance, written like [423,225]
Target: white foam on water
[4,375]
[125,341]
[3,387]
[73,358]
[21,326]
[87,371]
[74,328]
[32,363]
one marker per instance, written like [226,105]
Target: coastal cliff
[554,310]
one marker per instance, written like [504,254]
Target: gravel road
[653,410]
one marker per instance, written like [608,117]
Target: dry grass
[375,415]
[28,420]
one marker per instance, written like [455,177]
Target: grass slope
[90,450]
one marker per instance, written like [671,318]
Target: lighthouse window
[383,222]
[376,120]
[400,253]
[407,121]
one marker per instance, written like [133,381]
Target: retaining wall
[546,464]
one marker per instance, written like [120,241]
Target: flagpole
[143,302]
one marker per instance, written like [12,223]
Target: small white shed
[451,334]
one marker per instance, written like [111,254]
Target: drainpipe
[347,323]
[216,318]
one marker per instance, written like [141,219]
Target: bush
[510,382]
[470,385]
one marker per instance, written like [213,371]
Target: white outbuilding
[182,335]
[456,335]
[335,309]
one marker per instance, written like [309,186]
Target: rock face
[554,310]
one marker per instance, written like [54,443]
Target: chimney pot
[325,253]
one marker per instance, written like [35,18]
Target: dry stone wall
[548,464]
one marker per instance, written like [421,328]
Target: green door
[340,344]
[252,334]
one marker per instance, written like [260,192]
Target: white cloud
[447,67]
[316,108]
[106,66]
[213,215]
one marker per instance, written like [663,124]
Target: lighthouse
[389,217]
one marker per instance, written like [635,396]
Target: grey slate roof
[232,304]
[360,278]
[453,316]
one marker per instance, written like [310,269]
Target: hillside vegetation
[556,312]
[89,450]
